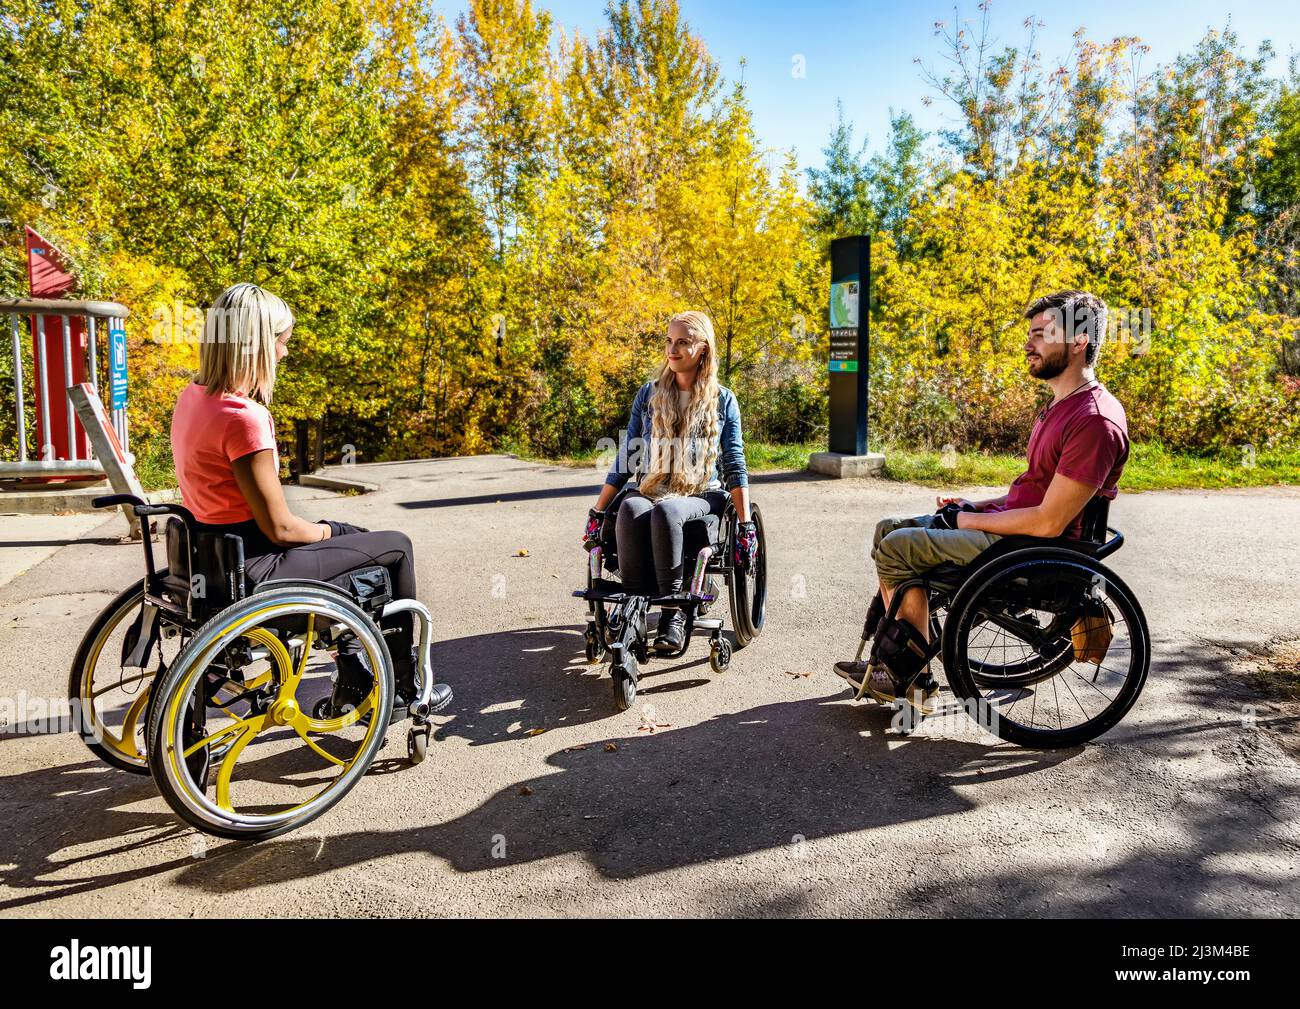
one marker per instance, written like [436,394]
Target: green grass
[1150,467]
[153,464]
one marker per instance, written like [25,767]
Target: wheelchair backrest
[204,569]
[1095,516]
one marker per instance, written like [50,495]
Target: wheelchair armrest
[1111,545]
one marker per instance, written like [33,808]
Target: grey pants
[906,547]
[650,539]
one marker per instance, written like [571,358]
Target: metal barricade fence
[96,315]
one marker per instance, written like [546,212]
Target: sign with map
[844,325]
[844,304]
[847,358]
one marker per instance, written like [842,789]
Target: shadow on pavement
[510,683]
[587,491]
[740,783]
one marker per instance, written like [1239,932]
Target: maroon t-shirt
[1084,436]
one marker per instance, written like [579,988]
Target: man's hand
[946,516]
[1064,500]
[961,502]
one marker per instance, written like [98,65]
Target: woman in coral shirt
[228,468]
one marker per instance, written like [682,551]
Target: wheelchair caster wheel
[720,655]
[593,648]
[322,709]
[417,744]
[625,684]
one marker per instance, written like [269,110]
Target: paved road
[769,793]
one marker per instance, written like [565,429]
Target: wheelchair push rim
[265,753]
[1016,615]
[111,701]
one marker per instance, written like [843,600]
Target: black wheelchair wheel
[1012,615]
[624,675]
[748,589]
[1044,662]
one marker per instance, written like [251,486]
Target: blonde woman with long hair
[685,445]
[228,468]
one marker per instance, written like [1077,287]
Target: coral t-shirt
[1085,437]
[208,434]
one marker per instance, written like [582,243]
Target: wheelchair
[226,696]
[1043,644]
[616,619]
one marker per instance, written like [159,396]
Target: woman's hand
[746,546]
[340,528]
[960,502]
[595,519]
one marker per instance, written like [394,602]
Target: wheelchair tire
[417,744]
[1021,571]
[624,677]
[720,655]
[249,620]
[112,748]
[747,590]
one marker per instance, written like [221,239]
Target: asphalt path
[761,791]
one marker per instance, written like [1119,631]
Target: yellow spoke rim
[250,729]
[125,743]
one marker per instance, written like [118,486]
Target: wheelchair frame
[622,635]
[167,599]
[947,588]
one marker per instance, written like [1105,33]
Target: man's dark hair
[1076,312]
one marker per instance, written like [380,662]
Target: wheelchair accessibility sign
[117,367]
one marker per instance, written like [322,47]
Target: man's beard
[1049,367]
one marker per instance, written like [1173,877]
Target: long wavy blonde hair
[684,442]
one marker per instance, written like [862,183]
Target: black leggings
[650,537]
[340,554]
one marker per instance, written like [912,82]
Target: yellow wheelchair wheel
[109,701]
[233,744]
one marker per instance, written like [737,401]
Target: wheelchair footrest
[603,590]
[678,600]
[708,624]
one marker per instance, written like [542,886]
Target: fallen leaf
[521,552]
[573,749]
[525,791]
[611,747]
[534,732]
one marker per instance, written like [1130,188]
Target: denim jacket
[730,446]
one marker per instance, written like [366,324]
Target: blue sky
[862,51]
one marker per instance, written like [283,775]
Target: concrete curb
[328,481]
[60,501]
[837,464]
